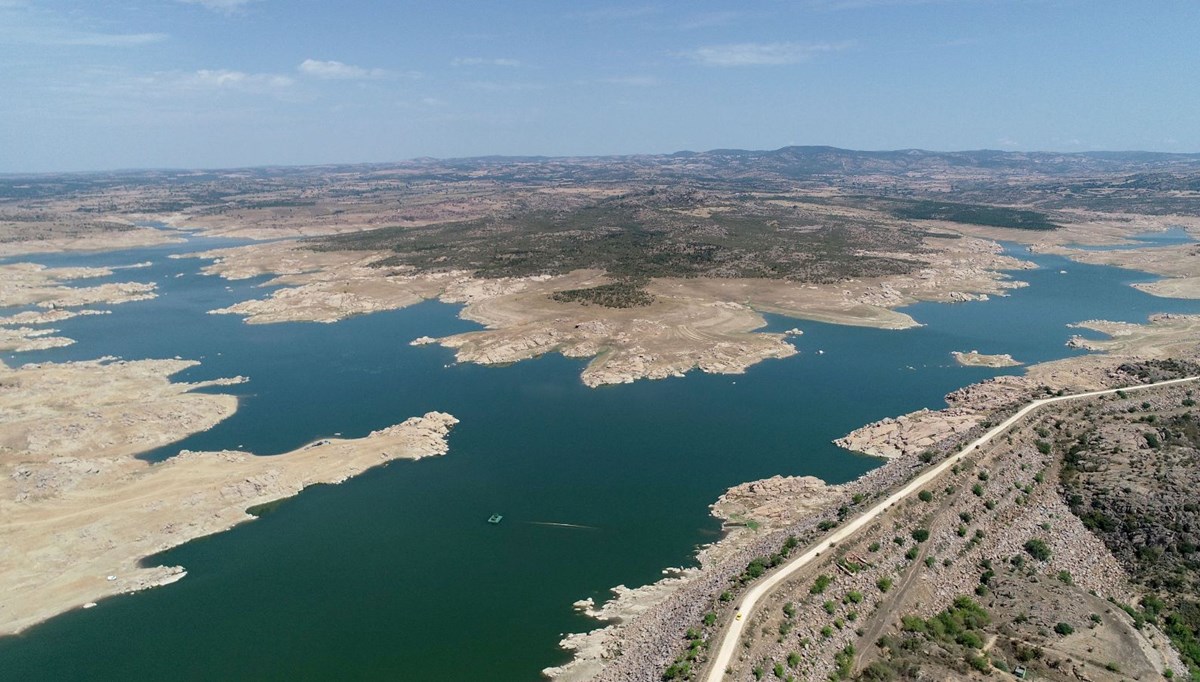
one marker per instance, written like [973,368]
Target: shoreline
[710,324]
[641,629]
[82,510]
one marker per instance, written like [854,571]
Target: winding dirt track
[733,635]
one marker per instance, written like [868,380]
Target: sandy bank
[23,284]
[706,324]
[976,359]
[80,510]
[1178,264]
[19,238]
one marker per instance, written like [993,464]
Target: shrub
[925,496]
[1064,629]
[1038,549]
[980,662]
[884,584]
[920,534]
[820,584]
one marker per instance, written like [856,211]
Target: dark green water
[396,574]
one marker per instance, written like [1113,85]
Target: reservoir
[396,574]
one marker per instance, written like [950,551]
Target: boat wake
[561,525]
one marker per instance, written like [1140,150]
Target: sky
[117,84]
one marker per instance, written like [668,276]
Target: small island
[976,359]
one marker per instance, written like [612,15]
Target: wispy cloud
[760,54]
[240,80]
[867,4]
[632,81]
[500,86]
[485,61]
[98,39]
[21,23]
[334,70]
[209,80]
[620,13]
[223,6]
[708,20]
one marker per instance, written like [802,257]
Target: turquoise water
[1173,236]
[396,574]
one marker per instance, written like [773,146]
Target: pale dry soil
[707,324]
[65,232]
[47,292]
[79,510]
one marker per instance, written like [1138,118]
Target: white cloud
[621,13]
[867,4]
[708,20]
[23,24]
[178,83]
[494,86]
[633,81]
[226,6]
[480,61]
[759,54]
[223,78]
[333,70]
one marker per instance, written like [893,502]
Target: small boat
[495,518]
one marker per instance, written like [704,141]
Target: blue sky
[102,84]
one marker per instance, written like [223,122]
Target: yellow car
[738,617]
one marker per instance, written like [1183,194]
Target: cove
[396,574]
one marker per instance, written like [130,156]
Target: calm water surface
[395,574]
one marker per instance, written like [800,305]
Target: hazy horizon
[384,162]
[187,84]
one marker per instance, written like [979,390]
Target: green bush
[1038,549]
[1064,629]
